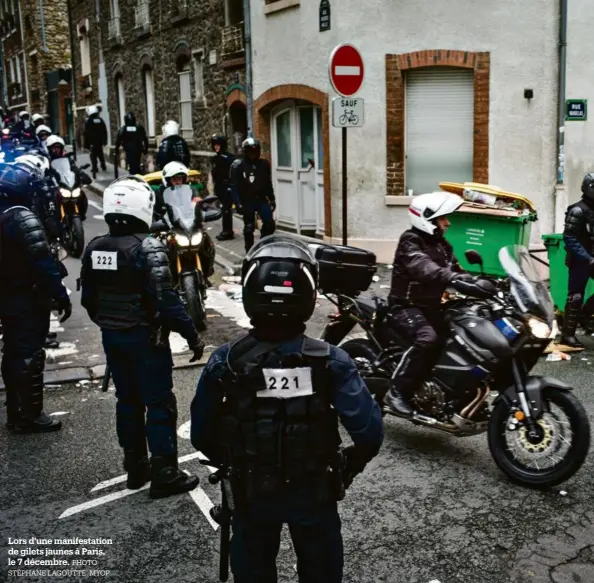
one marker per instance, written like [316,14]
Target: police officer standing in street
[128,293]
[221,166]
[132,137]
[30,282]
[251,181]
[579,243]
[95,138]
[266,409]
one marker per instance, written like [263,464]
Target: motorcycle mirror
[158,226]
[474,257]
[212,215]
[209,199]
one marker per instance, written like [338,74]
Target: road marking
[99,501]
[96,205]
[66,348]
[204,503]
[348,71]
[98,217]
[59,413]
[219,301]
[177,343]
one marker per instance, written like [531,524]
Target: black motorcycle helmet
[218,139]
[130,119]
[251,148]
[279,277]
[17,185]
[588,187]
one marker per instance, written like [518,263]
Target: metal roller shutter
[439,127]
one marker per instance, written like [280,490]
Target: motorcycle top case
[344,269]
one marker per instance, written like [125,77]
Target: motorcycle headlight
[76,192]
[539,329]
[182,240]
[65,193]
[197,239]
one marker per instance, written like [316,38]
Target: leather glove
[64,310]
[198,350]
[272,204]
[353,466]
[477,287]
[468,277]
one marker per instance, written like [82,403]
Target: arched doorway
[237,129]
[298,166]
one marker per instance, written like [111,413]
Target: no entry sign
[346,70]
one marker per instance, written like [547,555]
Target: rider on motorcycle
[43,133]
[173,148]
[424,265]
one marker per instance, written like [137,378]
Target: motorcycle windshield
[527,286]
[67,176]
[181,209]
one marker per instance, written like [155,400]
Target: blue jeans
[314,529]
[250,208]
[146,409]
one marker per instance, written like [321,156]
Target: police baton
[115,166]
[106,377]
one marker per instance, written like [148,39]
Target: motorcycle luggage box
[344,269]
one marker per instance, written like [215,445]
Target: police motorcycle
[69,193]
[182,231]
[538,432]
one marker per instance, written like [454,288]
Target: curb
[73,374]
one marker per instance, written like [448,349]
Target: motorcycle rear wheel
[569,463]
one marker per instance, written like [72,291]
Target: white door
[298,171]
[439,127]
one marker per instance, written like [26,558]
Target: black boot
[137,465]
[570,323]
[168,479]
[225,236]
[41,424]
[13,415]
[398,403]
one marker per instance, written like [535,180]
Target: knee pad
[575,299]
[249,228]
[34,364]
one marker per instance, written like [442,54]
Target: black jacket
[173,149]
[579,233]
[424,265]
[133,139]
[95,132]
[252,180]
[220,168]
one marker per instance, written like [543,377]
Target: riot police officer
[220,168]
[173,147]
[266,408]
[30,282]
[95,139]
[579,243]
[127,291]
[251,182]
[132,137]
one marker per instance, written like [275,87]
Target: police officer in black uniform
[127,291]
[579,243]
[30,282]
[266,408]
[173,147]
[221,166]
[95,139]
[251,181]
[132,137]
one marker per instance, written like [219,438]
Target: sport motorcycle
[538,431]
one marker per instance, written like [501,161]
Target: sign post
[346,71]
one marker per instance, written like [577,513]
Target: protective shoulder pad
[236,163]
[152,245]
[32,231]
[315,348]
[158,263]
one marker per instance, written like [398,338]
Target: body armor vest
[118,287]
[586,232]
[252,180]
[278,427]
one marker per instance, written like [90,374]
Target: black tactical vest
[586,232]
[252,180]
[117,286]
[278,428]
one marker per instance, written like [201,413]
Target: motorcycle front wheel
[77,237]
[194,302]
[550,457]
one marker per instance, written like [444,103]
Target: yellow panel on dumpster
[157,177]
[459,188]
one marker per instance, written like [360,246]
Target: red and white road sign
[346,70]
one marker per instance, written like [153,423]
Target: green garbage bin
[559,274]
[487,232]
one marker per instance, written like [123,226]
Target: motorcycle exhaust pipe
[479,404]
[434,423]
[479,394]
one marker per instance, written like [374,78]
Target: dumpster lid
[517,200]
[483,209]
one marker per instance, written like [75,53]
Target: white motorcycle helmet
[92,110]
[53,140]
[174,169]
[425,208]
[129,196]
[170,128]
[36,117]
[43,129]
[34,162]
[23,113]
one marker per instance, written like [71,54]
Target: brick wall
[395,115]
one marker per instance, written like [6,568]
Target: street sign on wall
[324,15]
[348,112]
[576,110]
[346,70]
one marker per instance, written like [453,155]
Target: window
[306,134]
[17,66]
[13,7]
[185,99]
[233,12]
[149,100]
[199,75]
[121,98]
[320,160]
[283,139]
[439,121]
[85,52]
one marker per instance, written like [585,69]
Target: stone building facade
[180,60]
[36,59]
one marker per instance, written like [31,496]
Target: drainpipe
[24,56]
[72,76]
[247,27]
[42,19]
[560,190]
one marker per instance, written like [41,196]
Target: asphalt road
[429,508]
